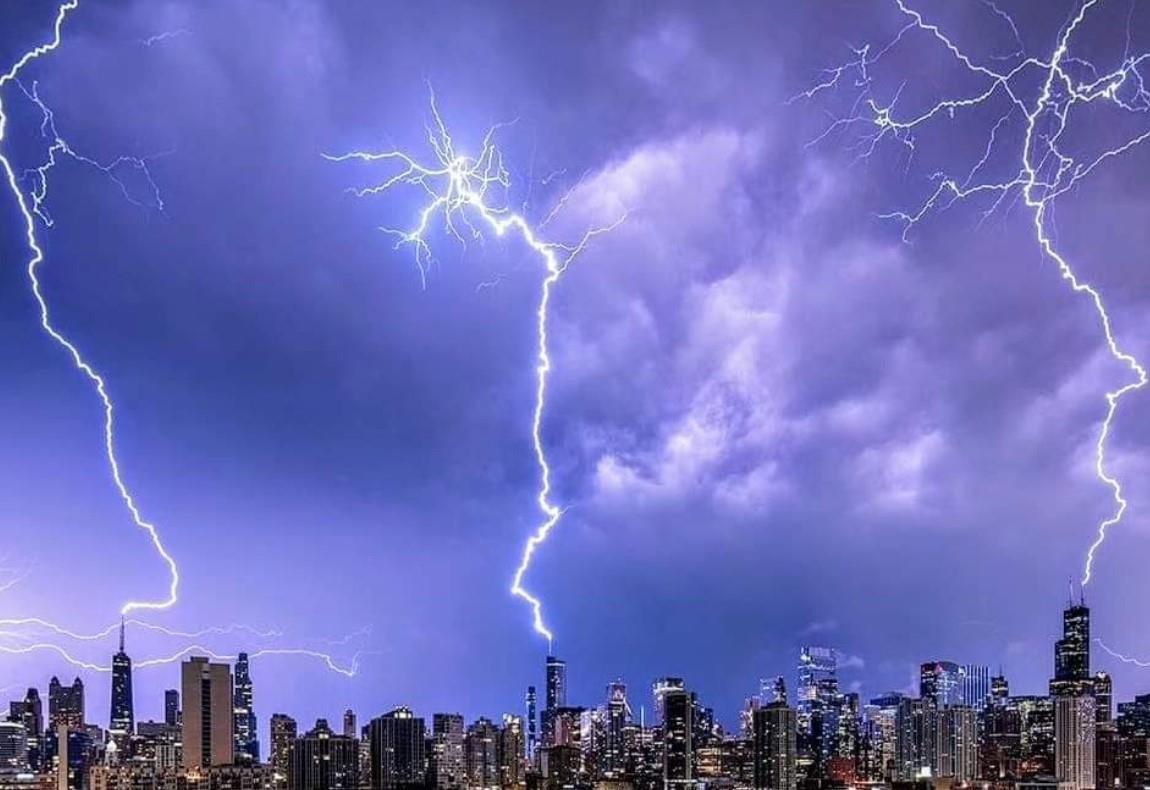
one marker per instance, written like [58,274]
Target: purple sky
[773,421]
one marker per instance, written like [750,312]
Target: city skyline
[960,727]
[780,413]
[945,680]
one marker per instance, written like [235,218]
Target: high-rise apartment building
[208,729]
[774,747]
[397,750]
[283,735]
[481,755]
[446,758]
[324,760]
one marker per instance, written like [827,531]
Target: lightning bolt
[461,189]
[1045,171]
[1123,658]
[29,206]
[27,633]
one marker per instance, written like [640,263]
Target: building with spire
[123,722]
[1072,688]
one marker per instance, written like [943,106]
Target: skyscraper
[939,683]
[172,707]
[208,729]
[246,733]
[532,732]
[618,716]
[349,723]
[1103,688]
[999,687]
[30,712]
[447,765]
[678,727]
[1072,653]
[774,747]
[659,692]
[123,723]
[323,760]
[974,685]
[66,704]
[13,748]
[1074,741]
[397,750]
[511,774]
[1075,714]
[773,689]
[555,696]
[816,708]
[481,755]
[284,733]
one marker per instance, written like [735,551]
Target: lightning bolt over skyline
[1043,171]
[459,186]
[25,635]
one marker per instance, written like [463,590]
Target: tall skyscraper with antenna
[123,722]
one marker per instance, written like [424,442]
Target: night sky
[773,421]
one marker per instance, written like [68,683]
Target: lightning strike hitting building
[462,189]
[1039,98]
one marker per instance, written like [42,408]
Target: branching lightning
[19,636]
[1045,171]
[30,207]
[461,190]
[349,670]
[1123,658]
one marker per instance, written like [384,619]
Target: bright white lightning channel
[458,187]
[1044,173]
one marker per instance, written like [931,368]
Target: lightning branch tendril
[1045,171]
[461,192]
